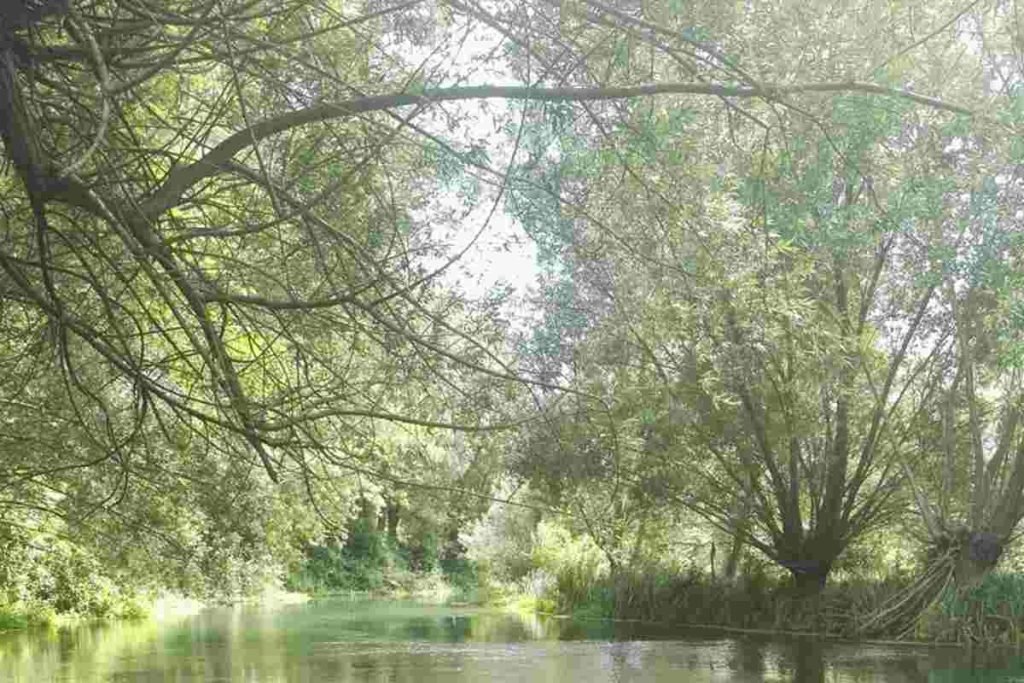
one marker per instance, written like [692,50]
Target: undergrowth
[990,613]
[376,564]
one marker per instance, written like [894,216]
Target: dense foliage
[253,328]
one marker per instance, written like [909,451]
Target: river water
[345,640]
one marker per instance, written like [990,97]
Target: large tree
[777,273]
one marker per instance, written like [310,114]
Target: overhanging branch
[181,180]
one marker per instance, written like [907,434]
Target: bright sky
[503,254]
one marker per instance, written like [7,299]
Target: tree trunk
[808,584]
[368,513]
[732,560]
[809,576]
[738,524]
[453,548]
[978,555]
[393,514]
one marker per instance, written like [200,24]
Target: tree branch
[179,181]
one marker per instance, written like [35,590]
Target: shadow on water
[342,640]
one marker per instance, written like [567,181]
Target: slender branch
[925,38]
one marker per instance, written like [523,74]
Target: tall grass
[756,601]
[990,613]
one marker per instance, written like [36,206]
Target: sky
[499,251]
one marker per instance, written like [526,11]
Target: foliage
[987,613]
[365,562]
[44,574]
[501,542]
[780,289]
[999,593]
[372,560]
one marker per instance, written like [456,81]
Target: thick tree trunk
[978,555]
[809,576]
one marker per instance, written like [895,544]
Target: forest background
[254,328]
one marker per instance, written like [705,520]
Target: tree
[971,435]
[593,464]
[787,304]
[229,209]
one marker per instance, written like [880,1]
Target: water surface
[344,640]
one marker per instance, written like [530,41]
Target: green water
[344,640]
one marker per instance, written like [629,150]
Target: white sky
[503,254]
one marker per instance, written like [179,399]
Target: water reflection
[977,667]
[338,640]
[747,655]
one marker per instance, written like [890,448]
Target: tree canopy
[778,264]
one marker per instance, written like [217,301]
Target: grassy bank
[990,613]
[140,605]
[27,614]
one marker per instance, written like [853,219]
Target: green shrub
[11,619]
[990,612]
[422,554]
[368,560]
[998,594]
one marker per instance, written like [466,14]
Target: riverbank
[754,602]
[991,613]
[19,616]
[337,639]
[157,605]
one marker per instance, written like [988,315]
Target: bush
[461,573]
[502,542]
[369,560]
[43,577]
[366,564]
[12,619]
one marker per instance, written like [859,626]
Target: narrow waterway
[345,640]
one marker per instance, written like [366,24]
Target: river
[338,639]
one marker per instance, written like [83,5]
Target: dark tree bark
[809,576]
[979,553]
[392,516]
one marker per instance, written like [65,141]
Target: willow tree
[773,265]
[780,359]
[969,480]
[965,464]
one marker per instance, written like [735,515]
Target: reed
[990,613]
